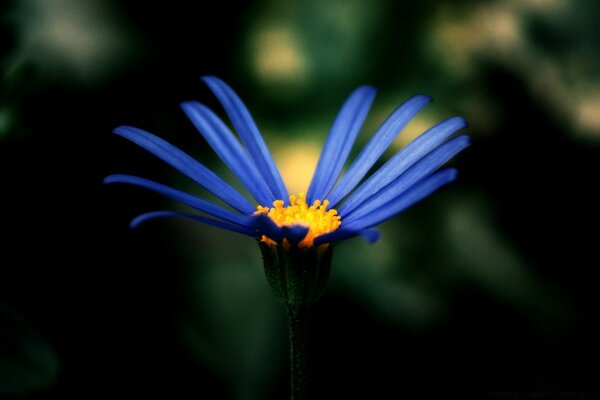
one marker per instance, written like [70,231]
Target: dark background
[487,287]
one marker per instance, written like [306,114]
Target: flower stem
[298,320]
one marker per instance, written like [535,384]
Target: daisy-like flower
[296,232]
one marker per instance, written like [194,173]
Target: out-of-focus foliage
[27,362]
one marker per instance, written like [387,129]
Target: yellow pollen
[317,217]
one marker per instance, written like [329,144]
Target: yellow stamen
[317,217]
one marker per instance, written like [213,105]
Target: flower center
[316,217]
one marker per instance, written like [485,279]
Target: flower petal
[400,162]
[369,235]
[185,198]
[186,165]
[416,193]
[229,149]
[339,141]
[335,236]
[265,226]
[414,174]
[295,233]
[376,146]
[209,221]
[249,135]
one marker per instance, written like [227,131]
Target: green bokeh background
[487,287]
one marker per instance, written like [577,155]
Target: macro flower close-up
[333,208]
[315,199]
[297,232]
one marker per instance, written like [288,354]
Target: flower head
[317,218]
[334,208]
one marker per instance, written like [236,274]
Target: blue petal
[294,234]
[166,214]
[229,149]
[249,134]
[416,193]
[339,142]
[376,146]
[400,162]
[335,236]
[414,174]
[265,226]
[185,198]
[188,166]
[370,235]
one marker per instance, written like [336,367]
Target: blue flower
[334,208]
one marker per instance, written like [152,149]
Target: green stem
[298,319]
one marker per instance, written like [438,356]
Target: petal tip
[452,174]
[370,235]
[372,90]
[136,222]
[419,98]
[186,104]
[209,78]
[109,179]
[120,130]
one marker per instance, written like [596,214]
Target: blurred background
[488,286]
